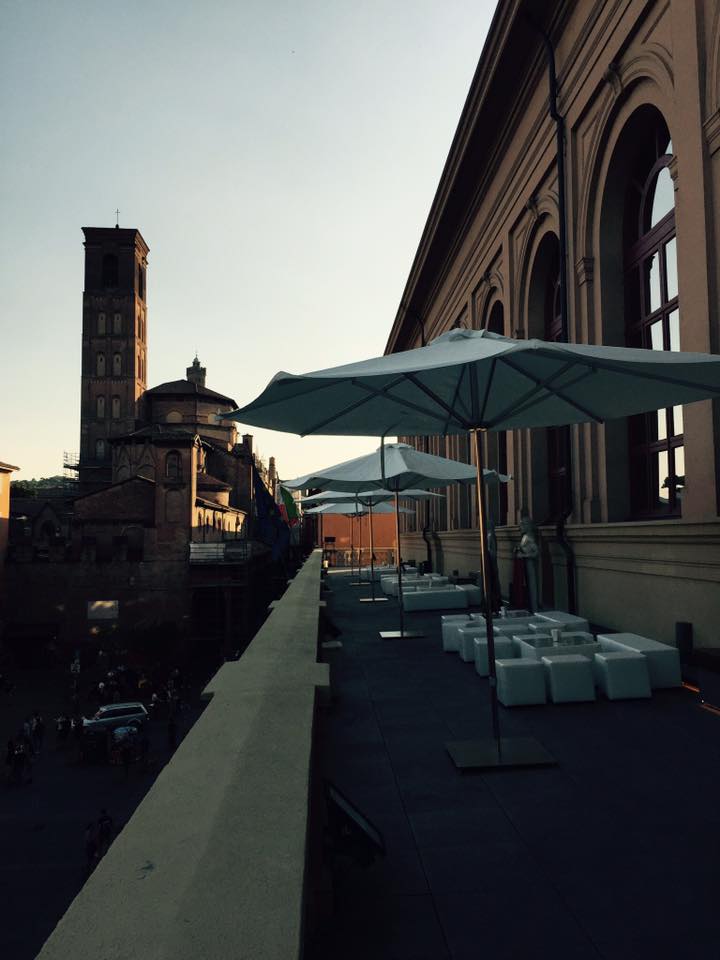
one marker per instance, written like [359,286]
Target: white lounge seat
[466,641]
[475,594]
[663,660]
[622,674]
[449,624]
[566,621]
[570,678]
[440,598]
[504,650]
[520,682]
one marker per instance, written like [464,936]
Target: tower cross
[117,218]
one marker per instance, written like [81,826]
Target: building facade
[626,236]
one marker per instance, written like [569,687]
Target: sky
[279,158]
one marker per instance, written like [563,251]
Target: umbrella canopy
[354,510]
[474,379]
[367,497]
[394,466]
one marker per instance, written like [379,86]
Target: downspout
[560,533]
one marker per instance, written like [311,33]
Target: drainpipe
[559,120]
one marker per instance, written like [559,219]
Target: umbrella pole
[494,754]
[487,587]
[399,562]
[372,558]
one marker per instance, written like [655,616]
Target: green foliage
[35,488]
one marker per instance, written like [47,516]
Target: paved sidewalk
[612,854]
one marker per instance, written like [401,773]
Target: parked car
[116,715]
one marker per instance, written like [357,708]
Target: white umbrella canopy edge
[473,379]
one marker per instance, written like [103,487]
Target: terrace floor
[614,853]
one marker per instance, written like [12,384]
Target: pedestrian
[91,846]
[104,831]
[144,750]
[126,752]
[172,732]
[21,763]
[9,757]
[38,731]
[62,728]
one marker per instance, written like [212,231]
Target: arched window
[495,323]
[652,321]
[101,324]
[140,282]
[116,408]
[100,407]
[117,323]
[173,465]
[110,270]
[100,364]
[100,449]
[558,438]
[117,364]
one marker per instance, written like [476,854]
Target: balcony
[610,854]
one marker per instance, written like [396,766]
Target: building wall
[347,531]
[616,64]
[4,511]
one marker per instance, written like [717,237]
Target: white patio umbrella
[396,467]
[370,499]
[470,381]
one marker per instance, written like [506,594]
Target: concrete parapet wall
[212,863]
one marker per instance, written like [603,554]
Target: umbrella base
[484,755]
[400,634]
[373,599]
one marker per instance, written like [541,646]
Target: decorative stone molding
[673,170]
[613,78]
[712,132]
[584,270]
[532,208]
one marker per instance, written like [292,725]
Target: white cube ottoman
[520,682]
[449,624]
[570,678]
[504,650]
[622,674]
[466,641]
[436,598]
[663,661]
[475,594]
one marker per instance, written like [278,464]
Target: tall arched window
[117,364]
[117,323]
[100,364]
[558,438]
[100,449]
[101,324]
[100,407]
[140,282]
[495,323]
[173,465]
[110,270]
[116,408]
[652,321]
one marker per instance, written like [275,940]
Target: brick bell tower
[114,346]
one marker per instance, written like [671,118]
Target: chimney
[248,443]
[196,373]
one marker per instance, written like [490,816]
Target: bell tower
[114,346]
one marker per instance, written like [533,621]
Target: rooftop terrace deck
[614,853]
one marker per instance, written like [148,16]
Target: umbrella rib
[400,400]
[546,385]
[487,389]
[620,369]
[455,396]
[354,406]
[440,402]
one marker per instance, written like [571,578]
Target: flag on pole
[289,507]
[271,528]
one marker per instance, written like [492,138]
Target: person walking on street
[104,832]
[37,731]
[91,847]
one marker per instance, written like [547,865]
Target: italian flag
[288,508]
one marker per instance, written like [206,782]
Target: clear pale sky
[279,158]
